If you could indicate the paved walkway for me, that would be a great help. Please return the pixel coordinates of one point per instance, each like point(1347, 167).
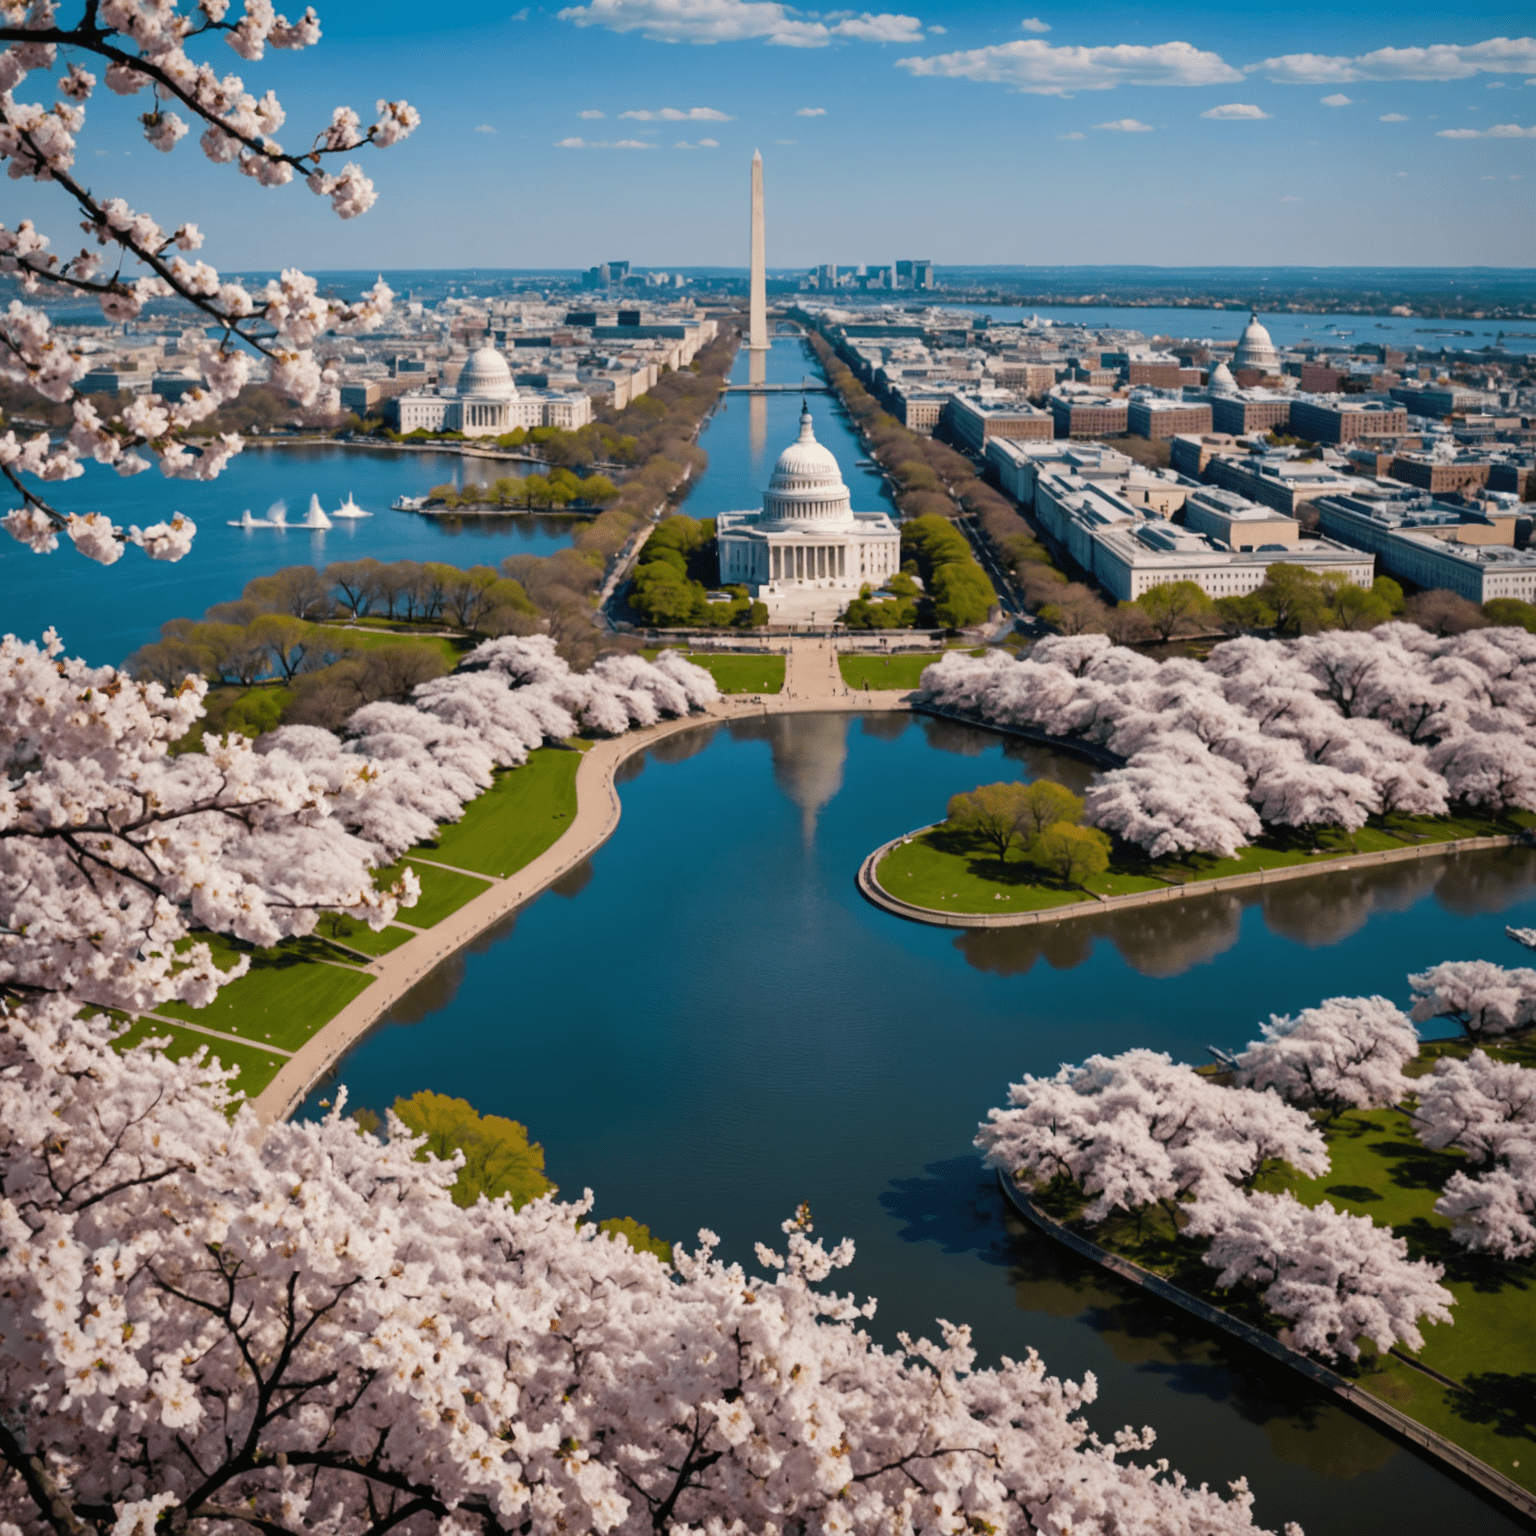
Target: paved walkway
point(812, 684)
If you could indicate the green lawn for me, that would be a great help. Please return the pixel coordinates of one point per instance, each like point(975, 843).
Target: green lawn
point(738, 674)
point(1380, 1170)
point(257, 1067)
point(955, 873)
point(884, 671)
point(442, 890)
point(348, 933)
point(514, 821)
point(286, 996)
point(371, 639)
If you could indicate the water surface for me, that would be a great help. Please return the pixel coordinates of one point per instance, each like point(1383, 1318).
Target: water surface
point(707, 1025)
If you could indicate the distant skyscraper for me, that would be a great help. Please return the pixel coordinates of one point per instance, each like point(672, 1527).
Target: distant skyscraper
point(757, 313)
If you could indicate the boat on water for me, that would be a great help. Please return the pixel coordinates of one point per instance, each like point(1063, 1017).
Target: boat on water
point(315, 517)
point(408, 504)
point(1525, 936)
point(277, 517)
point(349, 509)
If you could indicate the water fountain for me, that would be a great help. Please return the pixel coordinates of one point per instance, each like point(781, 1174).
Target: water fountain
point(349, 509)
point(315, 517)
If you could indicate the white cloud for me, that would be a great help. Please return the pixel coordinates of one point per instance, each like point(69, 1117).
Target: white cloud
point(1338, 99)
point(1403, 174)
point(1039, 69)
point(673, 115)
point(596, 144)
point(1440, 61)
point(485, 128)
point(1070, 135)
point(735, 21)
point(1498, 131)
point(1034, 24)
point(786, 141)
point(709, 143)
point(1236, 111)
point(880, 29)
point(938, 31)
point(811, 112)
point(1125, 125)
point(591, 114)
point(521, 15)
point(1290, 199)
point(1496, 85)
point(1393, 117)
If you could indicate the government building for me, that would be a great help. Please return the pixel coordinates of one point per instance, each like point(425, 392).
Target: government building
point(807, 553)
point(486, 403)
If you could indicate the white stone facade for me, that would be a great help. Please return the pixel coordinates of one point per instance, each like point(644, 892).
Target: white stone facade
point(807, 553)
point(486, 403)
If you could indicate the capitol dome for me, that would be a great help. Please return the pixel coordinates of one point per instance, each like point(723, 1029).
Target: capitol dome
point(486, 376)
point(807, 485)
point(1255, 349)
point(1220, 381)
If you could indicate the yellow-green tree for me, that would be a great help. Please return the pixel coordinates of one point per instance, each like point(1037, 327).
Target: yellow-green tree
point(1046, 803)
point(991, 812)
point(1073, 853)
point(498, 1157)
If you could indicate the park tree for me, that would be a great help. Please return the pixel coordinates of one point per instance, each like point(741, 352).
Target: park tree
point(994, 814)
point(496, 1157)
point(1044, 803)
point(130, 260)
point(1346, 1053)
point(301, 1329)
point(1444, 613)
point(1073, 854)
point(1138, 1129)
point(1482, 999)
point(1335, 1278)
point(1482, 1106)
point(1175, 607)
point(1073, 609)
point(357, 581)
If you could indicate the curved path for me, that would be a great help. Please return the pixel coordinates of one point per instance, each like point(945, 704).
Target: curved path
point(812, 683)
point(870, 887)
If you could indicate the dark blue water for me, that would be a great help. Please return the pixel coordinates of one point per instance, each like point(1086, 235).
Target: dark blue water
point(748, 432)
point(706, 1024)
point(103, 613)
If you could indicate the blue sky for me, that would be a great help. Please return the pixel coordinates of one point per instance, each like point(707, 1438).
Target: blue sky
point(968, 133)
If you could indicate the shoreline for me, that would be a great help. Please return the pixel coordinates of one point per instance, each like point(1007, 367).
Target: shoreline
point(875, 893)
point(1452, 1457)
point(598, 809)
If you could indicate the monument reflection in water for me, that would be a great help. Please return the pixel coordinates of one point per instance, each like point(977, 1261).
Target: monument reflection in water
point(707, 1024)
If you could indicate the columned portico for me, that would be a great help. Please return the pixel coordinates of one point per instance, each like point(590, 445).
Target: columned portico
point(807, 553)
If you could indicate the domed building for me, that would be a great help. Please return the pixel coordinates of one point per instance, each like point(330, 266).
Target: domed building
point(807, 553)
point(1220, 381)
point(1255, 349)
point(486, 402)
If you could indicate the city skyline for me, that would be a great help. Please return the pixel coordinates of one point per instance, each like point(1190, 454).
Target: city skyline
point(1172, 137)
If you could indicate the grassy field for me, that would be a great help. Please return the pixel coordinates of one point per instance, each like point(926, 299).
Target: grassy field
point(443, 891)
point(257, 1067)
point(286, 996)
point(347, 933)
point(1380, 1170)
point(738, 674)
point(515, 820)
point(371, 639)
point(884, 671)
point(953, 872)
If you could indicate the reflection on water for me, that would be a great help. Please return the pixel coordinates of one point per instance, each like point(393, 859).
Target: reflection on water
point(809, 752)
point(1169, 938)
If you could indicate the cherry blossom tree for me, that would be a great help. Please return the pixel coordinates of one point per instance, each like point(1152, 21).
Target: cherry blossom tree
point(1482, 998)
point(1346, 1053)
point(1325, 730)
point(211, 1330)
point(1496, 1211)
point(129, 260)
point(1137, 1129)
point(1334, 1277)
point(112, 849)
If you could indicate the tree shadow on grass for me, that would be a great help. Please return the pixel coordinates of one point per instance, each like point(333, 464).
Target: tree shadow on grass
point(1506, 1403)
point(1415, 1166)
point(1484, 1272)
point(982, 863)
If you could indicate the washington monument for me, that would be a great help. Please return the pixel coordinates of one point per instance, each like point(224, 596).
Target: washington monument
point(757, 318)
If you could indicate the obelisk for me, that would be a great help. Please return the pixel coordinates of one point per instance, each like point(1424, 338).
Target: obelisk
point(757, 315)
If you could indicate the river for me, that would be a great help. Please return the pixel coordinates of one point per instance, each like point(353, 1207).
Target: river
point(706, 1024)
point(1288, 330)
point(103, 613)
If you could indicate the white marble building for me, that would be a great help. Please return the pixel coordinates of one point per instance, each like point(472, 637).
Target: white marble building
point(807, 553)
point(1255, 349)
point(486, 403)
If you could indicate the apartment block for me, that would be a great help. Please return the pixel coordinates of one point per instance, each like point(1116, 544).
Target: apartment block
point(975, 420)
point(1338, 420)
point(1158, 419)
